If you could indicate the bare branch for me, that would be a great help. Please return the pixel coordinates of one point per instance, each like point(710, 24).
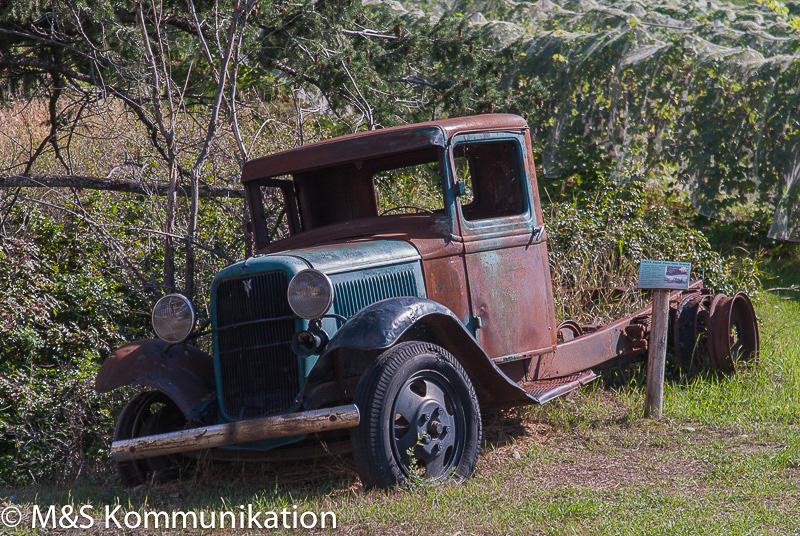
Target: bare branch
point(369, 33)
point(288, 70)
point(211, 131)
point(203, 43)
point(109, 184)
point(170, 19)
point(234, 113)
point(366, 108)
point(413, 80)
point(39, 64)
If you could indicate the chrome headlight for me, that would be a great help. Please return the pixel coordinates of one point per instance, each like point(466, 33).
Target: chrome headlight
point(173, 318)
point(310, 294)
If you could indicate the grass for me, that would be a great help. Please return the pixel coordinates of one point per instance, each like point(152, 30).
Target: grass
point(724, 460)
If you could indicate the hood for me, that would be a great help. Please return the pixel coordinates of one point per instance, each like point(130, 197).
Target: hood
point(356, 255)
point(331, 259)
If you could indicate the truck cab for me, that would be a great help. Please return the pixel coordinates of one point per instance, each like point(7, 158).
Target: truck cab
point(475, 242)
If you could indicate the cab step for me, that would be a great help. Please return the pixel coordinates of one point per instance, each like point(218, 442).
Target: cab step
point(543, 391)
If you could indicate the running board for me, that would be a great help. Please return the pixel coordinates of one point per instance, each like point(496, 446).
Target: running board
point(543, 391)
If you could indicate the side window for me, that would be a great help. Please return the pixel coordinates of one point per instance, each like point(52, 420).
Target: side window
point(491, 179)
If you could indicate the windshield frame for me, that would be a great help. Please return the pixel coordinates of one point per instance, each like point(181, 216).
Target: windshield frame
point(298, 190)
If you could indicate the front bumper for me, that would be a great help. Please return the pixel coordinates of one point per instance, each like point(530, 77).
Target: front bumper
point(206, 437)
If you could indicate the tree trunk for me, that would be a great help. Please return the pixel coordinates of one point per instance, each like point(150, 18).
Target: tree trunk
point(190, 232)
point(169, 229)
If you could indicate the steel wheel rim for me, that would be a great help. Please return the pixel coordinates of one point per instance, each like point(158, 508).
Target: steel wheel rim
point(428, 421)
point(703, 343)
point(128, 427)
point(735, 332)
point(145, 415)
point(167, 418)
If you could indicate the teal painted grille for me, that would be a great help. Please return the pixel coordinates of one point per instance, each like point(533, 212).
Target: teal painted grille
point(258, 370)
point(352, 296)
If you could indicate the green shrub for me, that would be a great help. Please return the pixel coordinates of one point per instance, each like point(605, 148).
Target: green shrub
point(597, 239)
point(60, 314)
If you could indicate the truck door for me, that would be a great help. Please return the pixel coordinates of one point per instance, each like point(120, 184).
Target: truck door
point(505, 254)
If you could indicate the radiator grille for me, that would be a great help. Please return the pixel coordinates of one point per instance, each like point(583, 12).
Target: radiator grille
point(352, 296)
point(259, 374)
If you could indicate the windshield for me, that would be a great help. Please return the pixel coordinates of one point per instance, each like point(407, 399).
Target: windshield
point(409, 183)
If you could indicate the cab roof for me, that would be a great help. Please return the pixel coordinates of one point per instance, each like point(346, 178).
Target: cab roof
point(375, 144)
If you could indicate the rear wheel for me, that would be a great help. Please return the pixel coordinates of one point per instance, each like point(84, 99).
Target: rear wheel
point(150, 413)
point(420, 418)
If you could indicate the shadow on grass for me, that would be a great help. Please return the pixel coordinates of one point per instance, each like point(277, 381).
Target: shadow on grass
point(782, 275)
point(214, 485)
point(506, 427)
point(209, 485)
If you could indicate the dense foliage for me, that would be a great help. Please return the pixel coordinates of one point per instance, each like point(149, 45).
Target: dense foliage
point(703, 93)
point(61, 310)
point(598, 237)
point(393, 70)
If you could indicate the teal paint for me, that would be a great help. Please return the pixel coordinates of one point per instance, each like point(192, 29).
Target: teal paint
point(362, 273)
point(354, 256)
point(356, 290)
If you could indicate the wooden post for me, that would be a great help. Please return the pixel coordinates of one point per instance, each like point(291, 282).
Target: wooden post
point(657, 355)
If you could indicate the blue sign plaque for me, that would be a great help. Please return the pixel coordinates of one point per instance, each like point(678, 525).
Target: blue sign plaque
point(664, 274)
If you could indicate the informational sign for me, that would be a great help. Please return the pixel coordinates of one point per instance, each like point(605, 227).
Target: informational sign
point(664, 274)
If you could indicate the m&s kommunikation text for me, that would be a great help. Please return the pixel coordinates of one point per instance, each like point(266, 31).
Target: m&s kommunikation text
point(243, 517)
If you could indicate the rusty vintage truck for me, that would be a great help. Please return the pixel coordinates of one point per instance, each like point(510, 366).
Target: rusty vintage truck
point(411, 290)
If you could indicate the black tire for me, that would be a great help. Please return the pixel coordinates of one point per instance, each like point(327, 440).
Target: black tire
point(147, 414)
point(420, 418)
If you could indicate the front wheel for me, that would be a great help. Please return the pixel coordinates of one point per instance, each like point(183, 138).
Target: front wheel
point(150, 413)
point(420, 418)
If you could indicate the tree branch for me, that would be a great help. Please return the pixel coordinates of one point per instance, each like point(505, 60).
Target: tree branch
point(108, 184)
point(176, 21)
point(40, 64)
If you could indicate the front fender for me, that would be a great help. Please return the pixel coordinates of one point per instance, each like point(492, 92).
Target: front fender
point(383, 324)
point(182, 372)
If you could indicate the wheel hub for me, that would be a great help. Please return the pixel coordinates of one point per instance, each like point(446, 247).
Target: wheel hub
point(425, 426)
point(435, 430)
